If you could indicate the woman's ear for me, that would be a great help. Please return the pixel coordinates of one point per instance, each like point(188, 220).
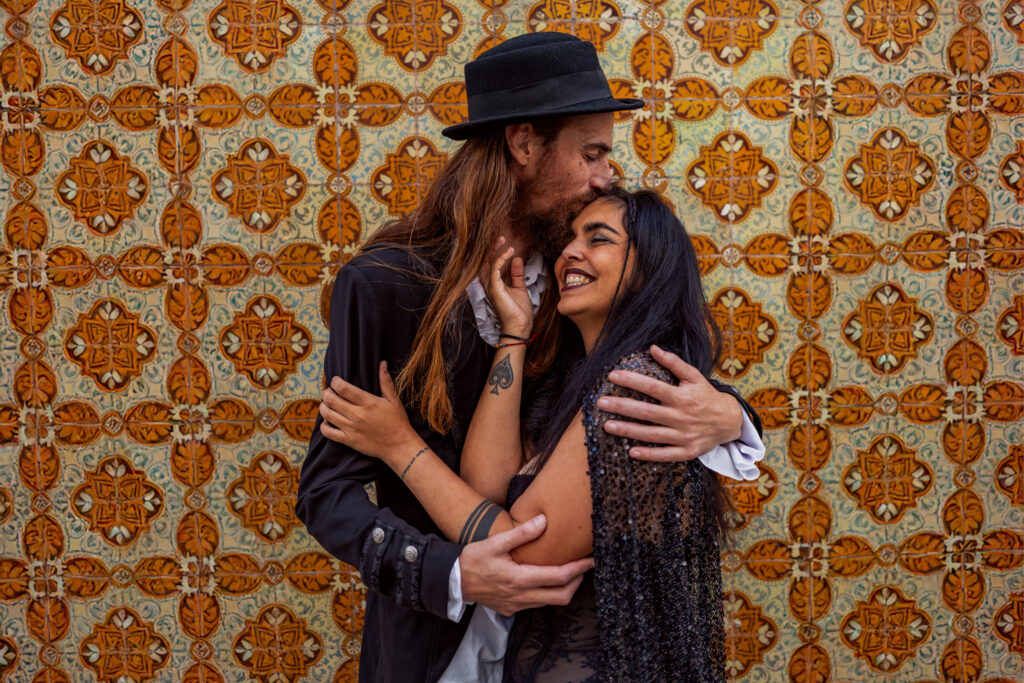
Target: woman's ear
point(520, 138)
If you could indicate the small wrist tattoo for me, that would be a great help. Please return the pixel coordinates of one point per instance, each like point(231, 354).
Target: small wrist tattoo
point(418, 454)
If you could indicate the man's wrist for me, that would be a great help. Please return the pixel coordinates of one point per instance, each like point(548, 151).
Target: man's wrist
point(733, 409)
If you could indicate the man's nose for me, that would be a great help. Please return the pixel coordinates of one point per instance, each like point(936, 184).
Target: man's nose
point(601, 178)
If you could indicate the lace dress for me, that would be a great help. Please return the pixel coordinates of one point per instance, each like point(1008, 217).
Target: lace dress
point(651, 610)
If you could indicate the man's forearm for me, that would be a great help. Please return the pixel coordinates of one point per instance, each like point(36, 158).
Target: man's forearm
point(333, 504)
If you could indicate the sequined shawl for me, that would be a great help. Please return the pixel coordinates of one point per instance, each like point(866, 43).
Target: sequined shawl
point(658, 573)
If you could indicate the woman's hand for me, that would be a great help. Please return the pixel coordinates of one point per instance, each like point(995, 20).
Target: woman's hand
point(373, 425)
point(510, 299)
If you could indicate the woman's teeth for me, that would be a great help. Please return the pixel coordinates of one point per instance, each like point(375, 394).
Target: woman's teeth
point(575, 279)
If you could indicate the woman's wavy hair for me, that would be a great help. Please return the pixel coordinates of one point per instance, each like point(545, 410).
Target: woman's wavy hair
point(452, 235)
point(660, 302)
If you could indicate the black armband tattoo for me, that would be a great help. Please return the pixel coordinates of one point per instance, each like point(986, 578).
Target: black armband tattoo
point(479, 524)
point(502, 375)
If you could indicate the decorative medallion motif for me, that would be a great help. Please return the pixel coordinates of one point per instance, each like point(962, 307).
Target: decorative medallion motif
point(110, 345)
point(750, 332)
point(1013, 17)
point(117, 500)
point(102, 188)
point(748, 634)
point(731, 177)
point(415, 32)
point(890, 174)
point(595, 21)
point(407, 173)
point(731, 29)
point(886, 629)
point(8, 657)
point(265, 342)
point(96, 33)
point(887, 328)
point(1011, 172)
point(259, 186)
point(124, 648)
point(276, 646)
point(1011, 326)
point(264, 497)
point(890, 28)
point(1008, 624)
point(1010, 475)
point(254, 33)
point(887, 479)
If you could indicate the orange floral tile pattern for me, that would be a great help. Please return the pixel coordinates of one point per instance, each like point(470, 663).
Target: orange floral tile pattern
point(180, 184)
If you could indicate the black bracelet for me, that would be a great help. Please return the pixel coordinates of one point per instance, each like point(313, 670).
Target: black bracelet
point(512, 336)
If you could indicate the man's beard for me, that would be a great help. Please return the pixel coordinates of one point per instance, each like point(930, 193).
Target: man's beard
point(550, 230)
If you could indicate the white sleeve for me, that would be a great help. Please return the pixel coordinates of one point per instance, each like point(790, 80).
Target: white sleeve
point(737, 459)
point(456, 605)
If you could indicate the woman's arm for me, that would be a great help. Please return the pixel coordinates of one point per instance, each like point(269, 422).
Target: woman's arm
point(561, 491)
point(373, 425)
point(493, 451)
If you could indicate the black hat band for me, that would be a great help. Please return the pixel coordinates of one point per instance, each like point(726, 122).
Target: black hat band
point(567, 90)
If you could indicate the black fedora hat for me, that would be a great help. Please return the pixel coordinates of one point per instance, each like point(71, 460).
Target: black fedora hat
point(533, 76)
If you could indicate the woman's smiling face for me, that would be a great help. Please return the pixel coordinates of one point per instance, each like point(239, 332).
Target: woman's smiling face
point(591, 265)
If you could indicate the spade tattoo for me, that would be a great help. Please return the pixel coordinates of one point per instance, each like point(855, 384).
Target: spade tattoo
point(501, 376)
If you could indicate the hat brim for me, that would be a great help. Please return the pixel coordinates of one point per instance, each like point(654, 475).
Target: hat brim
point(464, 131)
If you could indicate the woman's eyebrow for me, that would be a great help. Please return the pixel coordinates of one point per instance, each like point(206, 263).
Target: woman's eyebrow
point(598, 225)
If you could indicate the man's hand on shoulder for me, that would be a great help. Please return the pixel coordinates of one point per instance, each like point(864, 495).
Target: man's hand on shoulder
point(490, 576)
point(689, 419)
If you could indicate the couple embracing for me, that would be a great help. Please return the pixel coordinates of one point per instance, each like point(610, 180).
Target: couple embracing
point(520, 366)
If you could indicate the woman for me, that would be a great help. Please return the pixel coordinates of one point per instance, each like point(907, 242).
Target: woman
point(627, 280)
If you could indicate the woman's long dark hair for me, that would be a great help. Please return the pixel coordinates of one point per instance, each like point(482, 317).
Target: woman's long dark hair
point(660, 302)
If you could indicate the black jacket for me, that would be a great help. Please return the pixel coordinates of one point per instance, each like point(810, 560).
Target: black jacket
point(376, 308)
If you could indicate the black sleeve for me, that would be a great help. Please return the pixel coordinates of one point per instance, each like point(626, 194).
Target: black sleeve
point(751, 413)
point(657, 573)
point(394, 558)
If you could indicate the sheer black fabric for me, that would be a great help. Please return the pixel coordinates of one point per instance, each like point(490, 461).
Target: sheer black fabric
point(656, 590)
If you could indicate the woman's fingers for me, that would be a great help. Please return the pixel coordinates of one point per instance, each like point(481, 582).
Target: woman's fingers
point(499, 264)
point(350, 392)
point(332, 432)
point(517, 273)
point(387, 387)
point(337, 415)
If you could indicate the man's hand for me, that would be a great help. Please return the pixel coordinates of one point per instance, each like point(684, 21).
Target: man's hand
point(490, 576)
point(693, 417)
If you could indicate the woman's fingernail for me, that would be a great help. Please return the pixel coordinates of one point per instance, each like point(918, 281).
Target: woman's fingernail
point(611, 426)
point(613, 375)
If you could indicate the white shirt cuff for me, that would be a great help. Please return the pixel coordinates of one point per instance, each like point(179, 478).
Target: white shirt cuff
point(456, 605)
point(737, 459)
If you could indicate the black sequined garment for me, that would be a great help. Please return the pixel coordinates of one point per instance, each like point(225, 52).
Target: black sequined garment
point(657, 585)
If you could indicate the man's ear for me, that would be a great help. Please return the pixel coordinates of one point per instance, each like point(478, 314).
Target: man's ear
point(521, 141)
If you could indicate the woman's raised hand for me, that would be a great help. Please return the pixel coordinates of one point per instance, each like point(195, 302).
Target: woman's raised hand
point(508, 295)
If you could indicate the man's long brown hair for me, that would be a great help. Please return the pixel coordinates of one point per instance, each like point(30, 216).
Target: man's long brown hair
point(461, 216)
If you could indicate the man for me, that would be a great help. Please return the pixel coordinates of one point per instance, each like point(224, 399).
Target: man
point(536, 151)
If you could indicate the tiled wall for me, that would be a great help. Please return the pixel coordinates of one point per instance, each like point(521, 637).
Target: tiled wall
point(181, 180)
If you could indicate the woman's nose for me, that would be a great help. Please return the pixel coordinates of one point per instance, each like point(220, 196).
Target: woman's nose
point(571, 252)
